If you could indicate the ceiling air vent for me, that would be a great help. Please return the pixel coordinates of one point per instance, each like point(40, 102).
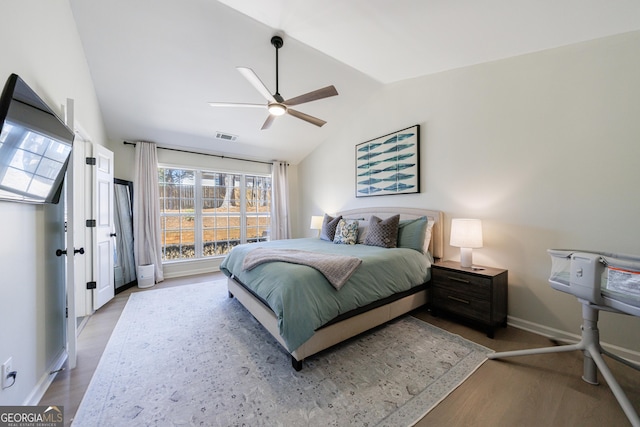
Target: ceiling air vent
point(226, 136)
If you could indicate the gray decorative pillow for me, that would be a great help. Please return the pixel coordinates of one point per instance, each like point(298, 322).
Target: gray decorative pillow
point(346, 232)
point(329, 225)
point(363, 226)
point(383, 233)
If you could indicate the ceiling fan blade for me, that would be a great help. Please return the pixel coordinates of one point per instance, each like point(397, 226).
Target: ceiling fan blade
point(307, 118)
point(268, 122)
point(256, 82)
point(325, 92)
point(236, 104)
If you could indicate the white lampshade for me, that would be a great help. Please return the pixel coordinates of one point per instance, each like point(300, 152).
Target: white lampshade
point(316, 223)
point(466, 234)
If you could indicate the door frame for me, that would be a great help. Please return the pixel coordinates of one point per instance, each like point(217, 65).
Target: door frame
point(79, 207)
point(74, 209)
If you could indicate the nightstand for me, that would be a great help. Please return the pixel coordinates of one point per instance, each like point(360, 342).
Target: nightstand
point(478, 294)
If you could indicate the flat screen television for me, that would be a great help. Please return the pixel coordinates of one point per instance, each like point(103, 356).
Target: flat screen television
point(35, 146)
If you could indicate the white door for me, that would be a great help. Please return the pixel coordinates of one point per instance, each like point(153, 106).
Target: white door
point(53, 239)
point(103, 232)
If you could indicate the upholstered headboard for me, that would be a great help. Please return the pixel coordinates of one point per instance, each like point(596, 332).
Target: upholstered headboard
point(436, 247)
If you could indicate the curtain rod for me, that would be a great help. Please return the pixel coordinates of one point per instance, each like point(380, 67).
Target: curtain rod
point(206, 154)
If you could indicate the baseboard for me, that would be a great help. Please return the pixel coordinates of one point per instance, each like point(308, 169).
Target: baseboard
point(46, 379)
point(82, 324)
point(570, 338)
point(182, 269)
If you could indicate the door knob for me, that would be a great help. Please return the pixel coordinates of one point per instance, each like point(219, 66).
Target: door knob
point(61, 252)
point(112, 235)
point(78, 251)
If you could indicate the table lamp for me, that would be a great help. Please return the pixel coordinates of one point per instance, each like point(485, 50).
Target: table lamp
point(466, 234)
point(316, 223)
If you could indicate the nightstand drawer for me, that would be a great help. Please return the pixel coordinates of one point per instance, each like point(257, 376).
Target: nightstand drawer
point(462, 303)
point(466, 284)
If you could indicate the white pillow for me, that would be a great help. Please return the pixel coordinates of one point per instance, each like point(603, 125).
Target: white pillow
point(427, 236)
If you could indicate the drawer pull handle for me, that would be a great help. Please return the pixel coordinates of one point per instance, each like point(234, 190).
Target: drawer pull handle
point(464, 301)
point(455, 279)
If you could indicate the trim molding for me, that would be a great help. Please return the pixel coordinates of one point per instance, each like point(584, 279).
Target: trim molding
point(190, 268)
point(46, 379)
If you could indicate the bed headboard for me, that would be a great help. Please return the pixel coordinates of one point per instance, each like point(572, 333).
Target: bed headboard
point(436, 246)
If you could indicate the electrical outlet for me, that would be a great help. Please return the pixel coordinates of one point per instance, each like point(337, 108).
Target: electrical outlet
point(7, 367)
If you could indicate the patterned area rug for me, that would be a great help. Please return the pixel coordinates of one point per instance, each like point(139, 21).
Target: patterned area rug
point(191, 356)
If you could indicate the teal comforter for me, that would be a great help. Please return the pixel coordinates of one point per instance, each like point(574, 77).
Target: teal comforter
point(303, 300)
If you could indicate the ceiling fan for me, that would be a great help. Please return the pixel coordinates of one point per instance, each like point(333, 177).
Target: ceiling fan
point(277, 105)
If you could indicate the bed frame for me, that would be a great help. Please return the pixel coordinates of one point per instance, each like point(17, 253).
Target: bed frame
point(337, 332)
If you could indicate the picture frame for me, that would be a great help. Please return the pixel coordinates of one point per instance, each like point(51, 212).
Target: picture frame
point(389, 164)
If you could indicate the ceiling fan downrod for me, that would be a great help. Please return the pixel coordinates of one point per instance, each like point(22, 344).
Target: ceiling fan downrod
point(277, 42)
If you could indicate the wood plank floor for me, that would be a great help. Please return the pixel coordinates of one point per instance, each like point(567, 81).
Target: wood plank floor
point(541, 390)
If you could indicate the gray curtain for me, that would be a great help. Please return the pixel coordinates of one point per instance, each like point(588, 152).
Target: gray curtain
point(124, 232)
point(146, 209)
point(280, 224)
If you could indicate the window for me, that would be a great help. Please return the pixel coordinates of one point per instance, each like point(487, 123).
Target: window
point(205, 213)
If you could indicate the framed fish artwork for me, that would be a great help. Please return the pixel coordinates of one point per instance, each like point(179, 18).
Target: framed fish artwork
point(389, 164)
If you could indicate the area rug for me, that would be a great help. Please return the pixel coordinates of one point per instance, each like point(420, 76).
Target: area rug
point(192, 356)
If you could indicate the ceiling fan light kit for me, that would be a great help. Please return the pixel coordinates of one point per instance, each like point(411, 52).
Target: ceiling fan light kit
point(276, 104)
point(277, 109)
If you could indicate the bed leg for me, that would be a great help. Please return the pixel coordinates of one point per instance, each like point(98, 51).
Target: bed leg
point(297, 364)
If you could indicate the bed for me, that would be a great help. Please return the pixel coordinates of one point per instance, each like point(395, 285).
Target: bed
point(282, 302)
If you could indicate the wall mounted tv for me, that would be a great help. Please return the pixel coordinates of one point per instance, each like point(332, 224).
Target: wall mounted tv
point(35, 146)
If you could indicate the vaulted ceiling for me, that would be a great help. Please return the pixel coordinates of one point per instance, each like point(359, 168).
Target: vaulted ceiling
point(156, 64)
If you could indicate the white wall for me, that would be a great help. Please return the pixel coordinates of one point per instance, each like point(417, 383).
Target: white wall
point(543, 148)
point(40, 44)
